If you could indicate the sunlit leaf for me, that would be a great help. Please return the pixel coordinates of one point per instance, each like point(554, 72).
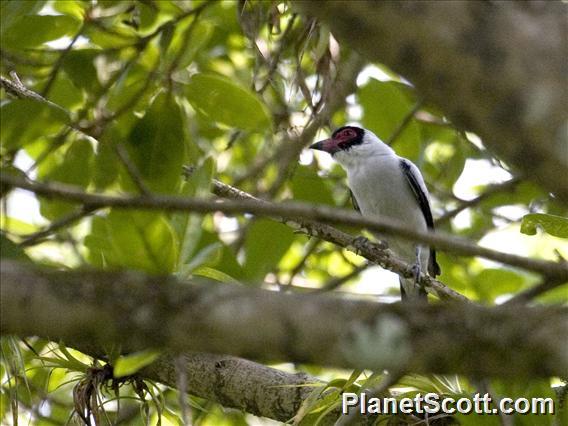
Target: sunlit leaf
point(556, 226)
point(267, 241)
point(80, 68)
point(214, 274)
point(141, 241)
point(106, 165)
point(224, 101)
point(129, 364)
point(33, 30)
point(74, 8)
point(17, 129)
point(12, 11)
point(308, 186)
point(189, 226)
point(74, 168)
point(491, 283)
point(385, 106)
point(157, 145)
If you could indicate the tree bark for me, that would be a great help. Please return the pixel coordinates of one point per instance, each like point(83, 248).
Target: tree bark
point(496, 68)
point(137, 311)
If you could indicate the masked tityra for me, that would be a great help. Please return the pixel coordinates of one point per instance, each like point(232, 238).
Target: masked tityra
point(385, 185)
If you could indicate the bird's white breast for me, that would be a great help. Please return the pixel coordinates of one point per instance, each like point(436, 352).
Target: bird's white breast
point(381, 190)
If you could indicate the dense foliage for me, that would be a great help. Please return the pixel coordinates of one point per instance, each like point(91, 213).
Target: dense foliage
point(140, 89)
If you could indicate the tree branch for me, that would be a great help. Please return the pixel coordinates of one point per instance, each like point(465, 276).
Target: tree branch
point(137, 311)
point(293, 212)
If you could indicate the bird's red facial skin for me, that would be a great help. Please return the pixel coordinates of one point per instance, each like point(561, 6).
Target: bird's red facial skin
point(345, 136)
point(337, 142)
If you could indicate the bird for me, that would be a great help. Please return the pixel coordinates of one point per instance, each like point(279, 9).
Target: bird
point(384, 185)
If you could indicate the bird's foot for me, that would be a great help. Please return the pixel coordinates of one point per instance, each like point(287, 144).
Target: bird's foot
point(416, 273)
point(360, 243)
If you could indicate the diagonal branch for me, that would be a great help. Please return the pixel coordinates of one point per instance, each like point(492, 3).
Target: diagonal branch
point(301, 214)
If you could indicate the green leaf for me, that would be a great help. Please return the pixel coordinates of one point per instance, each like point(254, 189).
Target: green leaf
point(267, 241)
point(308, 186)
point(18, 129)
point(225, 102)
point(189, 226)
point(128, 87)
point(74, 8)
point(208, 250)
point(129, 364)
point(12, 10)
point(491, 283)
point(157, 145)
point(79, 65)
point(385, 106)
point(106, 165)
point(64, 93)
point(10, 250)
point(200, 35)
point(33, 30)
point(74, 168)
point(556, 226)
point(214, 274)
point(134, 240)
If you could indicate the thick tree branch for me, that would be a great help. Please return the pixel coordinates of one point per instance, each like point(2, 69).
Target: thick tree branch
point(230, 381)
point(297, 213)
point(488, 65)
point(137, 311)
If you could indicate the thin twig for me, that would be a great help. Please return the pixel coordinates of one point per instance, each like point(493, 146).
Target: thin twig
point(275, 59)
point(529, 294)
point(40, 236)
point(130, 167)
point(339, 281)
point(344, 84)
point(405, 122)
point(491, 190)
point(59, 62)
point(308, 251)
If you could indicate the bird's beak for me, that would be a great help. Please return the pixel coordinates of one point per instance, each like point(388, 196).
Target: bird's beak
point(327, 145)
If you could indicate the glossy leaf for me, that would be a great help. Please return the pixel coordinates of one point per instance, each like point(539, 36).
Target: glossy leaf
point(224, 101)
point(556, 226)
point(73, 168)
point(79, 66)
point(17, 129)
point(308, 186)
point(33, 30)
point(385, 106)
point(141, 241)
point(267, 241)
point(214, 274)
point(189, 226)
point(157, 145)
point(13, 10)
point(129, 364)
point(106, 165)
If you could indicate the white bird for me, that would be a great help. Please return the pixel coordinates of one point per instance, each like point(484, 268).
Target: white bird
point(385, 185)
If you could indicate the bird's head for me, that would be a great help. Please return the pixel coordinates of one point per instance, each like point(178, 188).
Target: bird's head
point(350, 144)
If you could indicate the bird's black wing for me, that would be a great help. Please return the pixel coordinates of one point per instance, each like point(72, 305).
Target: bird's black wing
point(354, 202)
point(411, 179)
